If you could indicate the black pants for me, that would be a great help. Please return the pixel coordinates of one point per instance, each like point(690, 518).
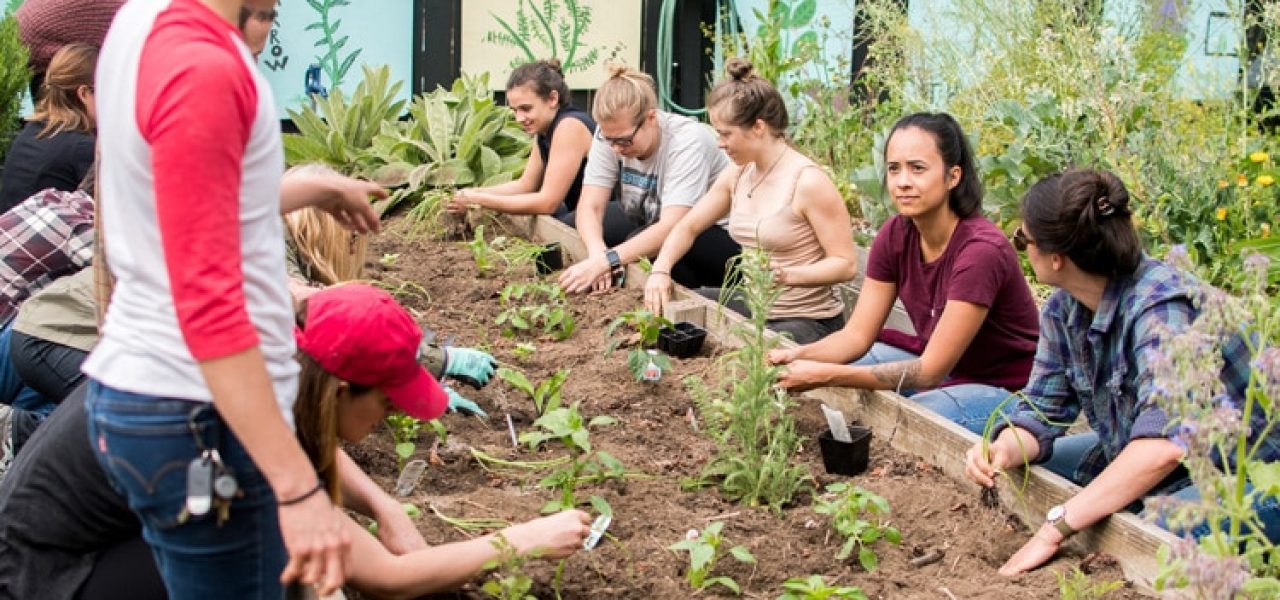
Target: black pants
point(47, 367)
point(802, 330)
point(704, 265)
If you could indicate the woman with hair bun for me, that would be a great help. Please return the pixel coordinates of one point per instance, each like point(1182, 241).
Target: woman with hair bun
point(552, 179)
point(1112, 306)
point(55, 147)
point(956, 275)
point(660, 164)
point(775, 198)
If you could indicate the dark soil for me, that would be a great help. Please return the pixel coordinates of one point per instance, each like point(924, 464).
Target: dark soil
point(655, 437)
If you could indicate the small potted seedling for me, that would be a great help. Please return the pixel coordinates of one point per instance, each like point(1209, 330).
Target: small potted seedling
point(644, 360)
point(682, 340)
point(845, 448)
point(549, 259)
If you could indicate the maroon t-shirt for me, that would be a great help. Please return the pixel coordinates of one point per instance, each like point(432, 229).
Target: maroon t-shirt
point(978, 266)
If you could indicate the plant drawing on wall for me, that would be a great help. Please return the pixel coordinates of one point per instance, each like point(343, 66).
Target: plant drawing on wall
point(553, 30)
point(331, 42)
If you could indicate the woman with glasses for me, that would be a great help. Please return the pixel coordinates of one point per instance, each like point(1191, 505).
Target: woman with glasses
point(1111, 308)
point(958, 278)
point(661, 164)
point(775, 198)
point(552, 179)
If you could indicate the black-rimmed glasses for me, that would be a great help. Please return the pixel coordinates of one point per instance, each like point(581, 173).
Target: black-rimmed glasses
point(622, 142)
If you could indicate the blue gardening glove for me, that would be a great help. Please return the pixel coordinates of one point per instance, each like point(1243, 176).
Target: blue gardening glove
point(472, 367)
point(462, 405)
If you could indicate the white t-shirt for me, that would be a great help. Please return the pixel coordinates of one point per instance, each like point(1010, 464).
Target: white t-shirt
point(678, 173)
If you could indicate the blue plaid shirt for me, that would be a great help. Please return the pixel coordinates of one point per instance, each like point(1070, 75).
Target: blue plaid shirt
point(1098, 362)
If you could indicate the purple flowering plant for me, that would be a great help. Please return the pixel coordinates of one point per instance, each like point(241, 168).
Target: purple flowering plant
point(1213, 427)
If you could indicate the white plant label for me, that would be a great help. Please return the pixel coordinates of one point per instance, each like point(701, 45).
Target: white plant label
point(410, 476)
point(835, 420)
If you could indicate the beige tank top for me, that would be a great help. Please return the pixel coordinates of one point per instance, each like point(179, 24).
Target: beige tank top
point(770, 223)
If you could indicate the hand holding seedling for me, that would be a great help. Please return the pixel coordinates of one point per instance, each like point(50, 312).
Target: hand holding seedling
point(472, 367)
point(985, 460)
point(554, 536)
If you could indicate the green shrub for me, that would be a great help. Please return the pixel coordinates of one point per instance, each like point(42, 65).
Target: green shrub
point(14, 79)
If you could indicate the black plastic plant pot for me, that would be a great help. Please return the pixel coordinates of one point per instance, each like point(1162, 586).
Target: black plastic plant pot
point(683, 340)
point(846, 458)
point(550, 260)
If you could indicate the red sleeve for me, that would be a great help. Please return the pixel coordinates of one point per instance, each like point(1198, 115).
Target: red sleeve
point(978, 274)
point(884, 261)
point(197, 116)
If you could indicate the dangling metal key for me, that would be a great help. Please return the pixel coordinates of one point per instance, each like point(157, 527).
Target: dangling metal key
point(200, 484)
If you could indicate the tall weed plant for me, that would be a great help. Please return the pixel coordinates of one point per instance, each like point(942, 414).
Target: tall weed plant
point(750, 417)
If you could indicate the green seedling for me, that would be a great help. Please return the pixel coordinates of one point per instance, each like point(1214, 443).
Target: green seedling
point(566, 425)
point(545, 395)
point(509, 581)
point(856, 514)
point(404, 434)
point(410, 509)
point(535, 307)
point(482, 252)
point(524, 351)
point(647, 326)
point(470, 525)
point(705, 550)
point(389, 259)
point(1078, 586)
point(814, 587)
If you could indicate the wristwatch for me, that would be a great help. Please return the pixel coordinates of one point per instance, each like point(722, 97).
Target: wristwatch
point(1057, 517)
point(615, 261)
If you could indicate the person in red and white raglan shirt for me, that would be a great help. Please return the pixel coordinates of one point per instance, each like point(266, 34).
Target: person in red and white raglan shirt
point(194, 373)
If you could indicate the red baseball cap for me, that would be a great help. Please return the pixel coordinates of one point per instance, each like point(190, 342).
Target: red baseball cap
point(361, 335)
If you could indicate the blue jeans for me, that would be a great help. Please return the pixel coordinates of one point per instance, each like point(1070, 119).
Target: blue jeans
point(13, 390)
point(1069, 450)
point(968, 404)
point(144, 444)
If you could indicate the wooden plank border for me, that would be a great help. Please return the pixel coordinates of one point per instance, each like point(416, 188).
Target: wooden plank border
point(1027, 493)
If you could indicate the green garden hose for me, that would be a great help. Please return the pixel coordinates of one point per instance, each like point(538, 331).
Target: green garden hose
point(666, 23)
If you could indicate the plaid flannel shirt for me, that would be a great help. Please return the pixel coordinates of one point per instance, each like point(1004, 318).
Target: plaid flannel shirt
point(1097, 362)
point(45, 237)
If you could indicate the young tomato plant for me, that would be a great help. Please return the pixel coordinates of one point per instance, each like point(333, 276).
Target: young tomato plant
point(509, 580)
point(704, 552)
point(566, 425)
point(814, 587)
point(647, 326)
point(535, 307)
point(545, 395)
point(855, 513)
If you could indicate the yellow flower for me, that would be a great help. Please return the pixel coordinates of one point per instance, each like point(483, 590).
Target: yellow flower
point(1222, 184)
point(1242, 181)
point(1264, 180)
point(1266, 230)
point(1259, 157)
point(1222, 214)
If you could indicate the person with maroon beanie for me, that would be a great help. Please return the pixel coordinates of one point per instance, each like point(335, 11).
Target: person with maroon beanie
point(976, 323)
point(45, 26)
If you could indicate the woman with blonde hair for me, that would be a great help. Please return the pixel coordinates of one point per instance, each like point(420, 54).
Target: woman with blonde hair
point(662, 164)
point(55, 147)
point(775, 198)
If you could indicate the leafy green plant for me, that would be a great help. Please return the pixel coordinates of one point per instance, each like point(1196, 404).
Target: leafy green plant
point(509, 581)
point(338, 132)
point(455, 137)
point(705, 551)
point(536, 28)
point(647, 326)
point(482, 252)
point(1078, 586)
point(334, 65)
point(535, 307)
point(748, 416)
point(567, 425)
point(524, 351)
point(545, 395)
point(814, 587)
point(404, 434)
point(14, 78)
point(857, 515)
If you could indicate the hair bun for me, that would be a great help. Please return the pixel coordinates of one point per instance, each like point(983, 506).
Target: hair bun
point(553, 63)
point(618, 70)
point(740, 69)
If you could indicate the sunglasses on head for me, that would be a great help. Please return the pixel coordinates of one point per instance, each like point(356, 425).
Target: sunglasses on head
point(1020, 239)
point(622, 142)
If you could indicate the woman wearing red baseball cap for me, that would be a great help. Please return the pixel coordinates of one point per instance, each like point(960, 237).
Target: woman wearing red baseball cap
point(358, 350)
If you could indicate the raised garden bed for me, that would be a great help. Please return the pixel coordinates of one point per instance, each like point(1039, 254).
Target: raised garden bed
point(656, 439)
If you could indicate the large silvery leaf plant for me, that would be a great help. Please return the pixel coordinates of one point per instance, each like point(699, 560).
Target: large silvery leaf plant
point(339, 132)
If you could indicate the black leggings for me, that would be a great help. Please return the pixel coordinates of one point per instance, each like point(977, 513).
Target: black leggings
point(704, 265)
point(125, 571)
